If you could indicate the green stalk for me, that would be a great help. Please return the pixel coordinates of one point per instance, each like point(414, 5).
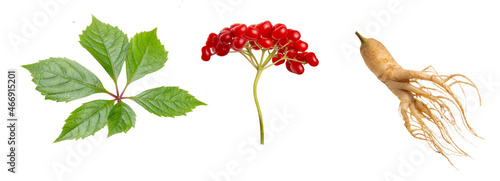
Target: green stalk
point(257, 77)
point(260, 66)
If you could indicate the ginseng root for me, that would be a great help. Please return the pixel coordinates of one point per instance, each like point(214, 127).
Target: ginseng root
point(428, 105)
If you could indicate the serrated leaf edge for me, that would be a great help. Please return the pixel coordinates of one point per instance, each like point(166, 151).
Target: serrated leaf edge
point(196, 102)
point(60, 136)
point(109, 115)
point(115, 77)
point(79, 82)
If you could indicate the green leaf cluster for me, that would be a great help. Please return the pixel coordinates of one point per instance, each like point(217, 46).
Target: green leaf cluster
point(62, 79)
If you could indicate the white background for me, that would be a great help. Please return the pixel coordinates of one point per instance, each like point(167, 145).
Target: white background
point(344, 123)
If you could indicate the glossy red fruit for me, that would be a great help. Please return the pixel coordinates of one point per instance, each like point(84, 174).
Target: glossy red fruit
point(225, 38)
point(221, 49)
point(311, 59)
point(288, 66)
point(279, 25)
point(284, 42)
point(238, 43)
point(278, 57)
point(239, 30)
point(205, 53)
point(293, 35)
point(268, 36)
point(297, 67)
point(301, 46)
point(300, 56)
point(212, 40)
point(282, 51)
point(253, 45)
point(252, 33)
point(225, 30)
point(274, 43)
point(265, 43)
point(291, 54)
point(234, 25)
point(265, 28)
point(279, 32)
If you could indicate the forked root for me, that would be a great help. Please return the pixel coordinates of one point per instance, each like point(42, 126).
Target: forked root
point(427, 105)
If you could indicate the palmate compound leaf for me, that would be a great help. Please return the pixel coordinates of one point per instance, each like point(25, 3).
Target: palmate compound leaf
point(108, 45)
point(167, 101)
point(121, 118)
point(62, 79)
point(145, 55)
point(86, 120)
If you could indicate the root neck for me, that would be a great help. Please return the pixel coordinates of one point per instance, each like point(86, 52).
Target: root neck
point(361, 38)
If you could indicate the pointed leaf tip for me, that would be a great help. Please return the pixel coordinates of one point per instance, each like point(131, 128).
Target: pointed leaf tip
point(62, 79)
point(107, 44)
point(86, 120)
point(145, 55)
point(167, 101)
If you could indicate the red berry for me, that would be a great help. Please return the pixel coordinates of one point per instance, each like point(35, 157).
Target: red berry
point(239, 30)
point(225, 38)
point(293, 35)
point(265, 28)
point(234, 25)
point(300, 45)
point(291, 54)
point(297, 67)
point(282, 51)
point(221, 49)
point(212, 40)
point(252, 33)
point(252, 26)
point(205, 53)
point(225, 30)
point(253, 45)
point(300, 56)
point(311, 59)
point(267, 36)
point(284, 42)
point(279, 32)
point(238, 43)
point(265, 43)
point(274, 43)
point(279, 25)
point(288, 64)
point(278, 57)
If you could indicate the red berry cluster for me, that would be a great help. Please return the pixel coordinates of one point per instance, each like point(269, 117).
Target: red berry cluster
point(285, 42)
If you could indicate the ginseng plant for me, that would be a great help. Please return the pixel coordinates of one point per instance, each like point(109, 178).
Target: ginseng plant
point(429, 106)
point(62, 79)
point(282, 46)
